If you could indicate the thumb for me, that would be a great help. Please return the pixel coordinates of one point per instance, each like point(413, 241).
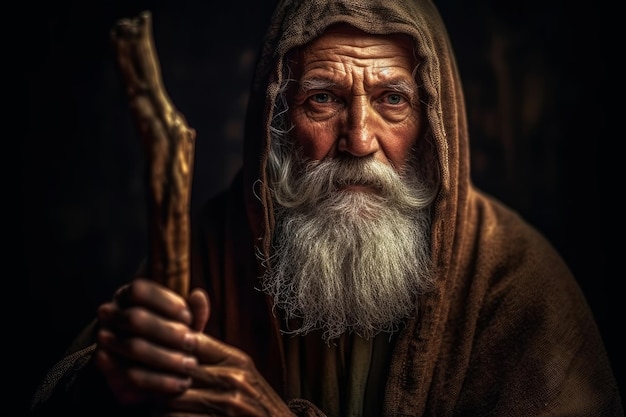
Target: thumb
point(200, 308)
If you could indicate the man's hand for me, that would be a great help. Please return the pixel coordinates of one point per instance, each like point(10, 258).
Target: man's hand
point(151, 348)
point(145, 339)
point(226, 382)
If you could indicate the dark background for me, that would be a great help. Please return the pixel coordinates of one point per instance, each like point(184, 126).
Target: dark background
point(536, 79)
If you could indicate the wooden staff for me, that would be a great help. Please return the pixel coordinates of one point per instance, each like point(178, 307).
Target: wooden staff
point(169, 144)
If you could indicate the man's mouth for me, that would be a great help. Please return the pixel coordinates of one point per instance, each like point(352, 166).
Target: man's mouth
point(364, 188)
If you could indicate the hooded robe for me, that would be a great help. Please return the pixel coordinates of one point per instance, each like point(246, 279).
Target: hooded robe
point(506, 330)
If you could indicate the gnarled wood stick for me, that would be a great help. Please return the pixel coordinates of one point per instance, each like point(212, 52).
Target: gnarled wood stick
point(169, 145)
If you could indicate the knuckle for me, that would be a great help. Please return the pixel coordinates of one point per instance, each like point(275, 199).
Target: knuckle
point(137, 347)
point(136, 290)
point(137, 318)
point(236, 381)
point(244, 360)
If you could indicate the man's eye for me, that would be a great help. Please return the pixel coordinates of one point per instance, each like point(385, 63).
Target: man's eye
point(394, 98)
point(321, 98)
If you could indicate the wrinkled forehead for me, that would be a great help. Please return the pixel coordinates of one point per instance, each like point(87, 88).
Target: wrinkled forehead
point(345, 34)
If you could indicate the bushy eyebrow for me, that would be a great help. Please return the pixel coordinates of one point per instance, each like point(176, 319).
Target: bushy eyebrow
point(316, 84)
point(400, 85)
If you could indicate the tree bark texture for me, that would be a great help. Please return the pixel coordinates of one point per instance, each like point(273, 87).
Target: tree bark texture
point(169, 145)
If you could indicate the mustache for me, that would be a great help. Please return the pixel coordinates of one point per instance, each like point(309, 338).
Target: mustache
point(325, 178)
point(354, 171)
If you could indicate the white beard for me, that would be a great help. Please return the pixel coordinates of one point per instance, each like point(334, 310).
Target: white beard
point(349, 261)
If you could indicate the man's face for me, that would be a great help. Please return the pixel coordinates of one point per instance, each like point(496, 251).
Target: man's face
point(351, 244)
point(356, 97)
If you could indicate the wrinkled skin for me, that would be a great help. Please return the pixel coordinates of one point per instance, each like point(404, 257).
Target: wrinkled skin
point(151, 348)
point(357, 97)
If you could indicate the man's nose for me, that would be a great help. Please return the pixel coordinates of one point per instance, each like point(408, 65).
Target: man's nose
point(360, 133)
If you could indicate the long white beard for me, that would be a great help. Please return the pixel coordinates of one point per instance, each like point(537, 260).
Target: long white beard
point(349, 261)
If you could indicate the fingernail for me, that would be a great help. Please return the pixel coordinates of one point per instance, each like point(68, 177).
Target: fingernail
point(185, 316)
point(189, 342)
point(105, 337)
point(189, 363)
point(184, 385)
point(104, 313)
